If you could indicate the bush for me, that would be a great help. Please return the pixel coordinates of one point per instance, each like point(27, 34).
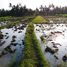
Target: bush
point(39, 19)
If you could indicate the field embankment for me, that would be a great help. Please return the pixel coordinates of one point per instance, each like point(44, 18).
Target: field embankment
point(33, 56)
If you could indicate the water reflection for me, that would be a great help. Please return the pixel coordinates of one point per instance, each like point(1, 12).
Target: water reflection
point(12, 44)
point(55, 45)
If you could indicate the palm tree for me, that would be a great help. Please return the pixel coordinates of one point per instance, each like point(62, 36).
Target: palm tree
point(10, 5)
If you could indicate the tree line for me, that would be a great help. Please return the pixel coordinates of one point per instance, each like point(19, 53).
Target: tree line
point(18, 10)
point(52, 10)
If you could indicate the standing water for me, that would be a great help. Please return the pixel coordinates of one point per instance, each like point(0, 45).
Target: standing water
point(11, 45)
point(54, 46)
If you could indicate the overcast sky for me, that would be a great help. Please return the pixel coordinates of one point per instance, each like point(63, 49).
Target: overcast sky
point(32, 3)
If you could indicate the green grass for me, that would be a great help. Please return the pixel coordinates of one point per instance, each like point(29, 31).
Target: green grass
point(11, 18)
point(32, 56)
point(2, 27)
point(10, 24)
point(61, 15)
point(5, 18)
point(12, 21)
point(39, 19)
point(64, 15)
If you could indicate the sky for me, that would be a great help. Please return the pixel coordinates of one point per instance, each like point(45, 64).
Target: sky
point(33, 4)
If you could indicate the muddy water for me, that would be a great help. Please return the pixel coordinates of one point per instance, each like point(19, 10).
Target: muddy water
point(11, 45)
point(55, 45)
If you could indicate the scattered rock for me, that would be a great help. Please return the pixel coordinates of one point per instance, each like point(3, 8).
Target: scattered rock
point(55, 46)
point(58, 32)
point(39, 26)
point(6, 33)
point(1, 36)
point(7, 37)
point(9, 49)
point(42, 38)
point(55, 56)
point(20, 32)
point(15, 30)
point(13, 40)
point(37, 30)
point(14, 44)
point(2, 43)
point(52, 33)
point(13, 36)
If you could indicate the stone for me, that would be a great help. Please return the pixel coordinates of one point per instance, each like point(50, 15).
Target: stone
point(51, 50)
point(65, 58)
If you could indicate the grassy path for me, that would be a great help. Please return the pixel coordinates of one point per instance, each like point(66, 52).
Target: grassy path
point(33, 56)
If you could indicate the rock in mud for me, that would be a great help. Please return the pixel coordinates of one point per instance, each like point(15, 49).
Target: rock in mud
point(1, 36)
point(14, 44)
point(37, 30)
point(20, 32)
point(13, 40)
point(10, 49)
point(56, 57)
point(6, 33)
point(51, 50)
point(7, 37)
point(58, 32)
point(42, 38)
point(55, 46)
point(2, 43)
point(65, 58)
point(13, 36)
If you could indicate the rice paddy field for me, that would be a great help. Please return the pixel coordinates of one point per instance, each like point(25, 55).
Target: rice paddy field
point(33, 42)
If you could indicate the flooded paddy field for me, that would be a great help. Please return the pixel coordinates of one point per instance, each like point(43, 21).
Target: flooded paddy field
point(57, 19)
point(53, 42)
point(11, 44)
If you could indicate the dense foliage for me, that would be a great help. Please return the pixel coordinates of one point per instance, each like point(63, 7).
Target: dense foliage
point(52, 10)
point(16, 10)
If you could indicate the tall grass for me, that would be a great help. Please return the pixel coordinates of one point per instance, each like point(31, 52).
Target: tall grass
point(39, 19)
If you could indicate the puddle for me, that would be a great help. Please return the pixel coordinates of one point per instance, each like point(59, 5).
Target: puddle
point(55, 45)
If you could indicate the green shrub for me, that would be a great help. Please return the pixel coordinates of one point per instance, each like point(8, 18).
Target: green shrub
point(39, 19)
